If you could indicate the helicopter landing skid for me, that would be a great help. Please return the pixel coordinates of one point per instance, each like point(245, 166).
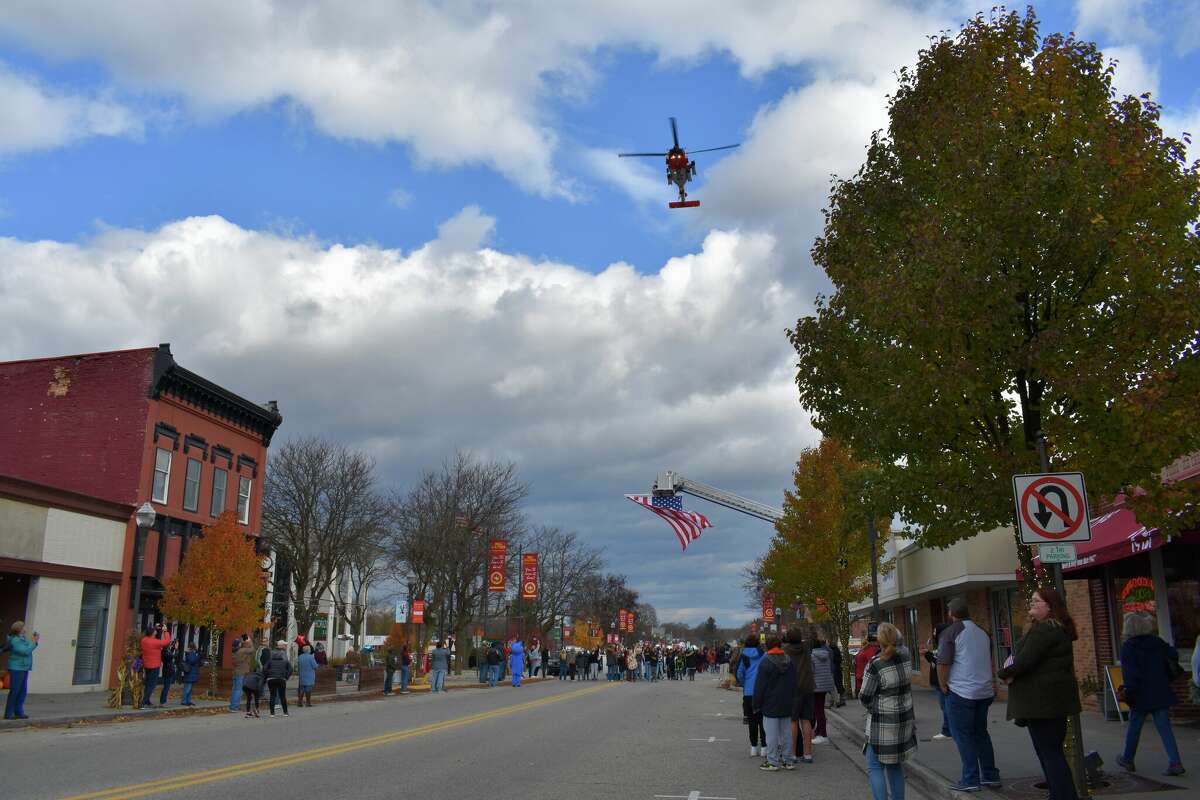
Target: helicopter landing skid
point(683, 204)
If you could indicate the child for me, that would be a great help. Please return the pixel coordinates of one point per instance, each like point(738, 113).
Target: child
point(252, 686)
point(774, 695)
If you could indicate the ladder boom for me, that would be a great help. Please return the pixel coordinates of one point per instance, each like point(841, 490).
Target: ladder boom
point(669, 483)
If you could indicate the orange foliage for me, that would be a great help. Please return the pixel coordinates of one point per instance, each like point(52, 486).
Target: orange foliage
point(221, 584)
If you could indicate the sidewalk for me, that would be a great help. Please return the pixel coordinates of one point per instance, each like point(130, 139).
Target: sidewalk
point(90, 707)
point(937, 764)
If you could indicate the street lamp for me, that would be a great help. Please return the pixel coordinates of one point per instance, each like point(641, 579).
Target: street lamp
point(144, 519)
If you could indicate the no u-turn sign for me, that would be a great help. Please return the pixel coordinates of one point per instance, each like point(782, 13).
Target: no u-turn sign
point(1052, 507)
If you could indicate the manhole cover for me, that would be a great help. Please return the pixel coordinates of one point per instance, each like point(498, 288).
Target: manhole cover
point(1113, 784)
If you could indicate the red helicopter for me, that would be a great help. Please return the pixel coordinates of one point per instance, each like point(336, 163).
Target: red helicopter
point(680, 169)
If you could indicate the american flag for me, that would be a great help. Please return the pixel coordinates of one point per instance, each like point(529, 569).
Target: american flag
point(686, 524)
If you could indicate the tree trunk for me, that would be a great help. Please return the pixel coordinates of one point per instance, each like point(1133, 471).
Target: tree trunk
point(214, 652)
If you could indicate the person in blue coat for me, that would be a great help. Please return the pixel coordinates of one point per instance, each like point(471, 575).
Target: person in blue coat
point(20, 664)
point(517, 655)
point(191, 673)
point(306, 667)
point(747, 669)
point(1147, 677)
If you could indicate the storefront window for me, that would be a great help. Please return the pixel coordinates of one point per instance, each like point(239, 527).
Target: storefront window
point(1003, 601)
point(1181, 565)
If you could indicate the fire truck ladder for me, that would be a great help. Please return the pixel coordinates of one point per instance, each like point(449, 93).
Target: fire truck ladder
point(670, 483)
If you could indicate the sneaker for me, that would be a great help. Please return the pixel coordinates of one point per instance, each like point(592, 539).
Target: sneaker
point(753, 750)
point(940, 737)
point(272, 713)
point(805, 759)
point(1174, 769)
point(789, 765)
point(962, 787)
point(767, 766)
point(1126, 764)
point(248, 715)
point(285, 713)
point(820, 740)
point(993, 784)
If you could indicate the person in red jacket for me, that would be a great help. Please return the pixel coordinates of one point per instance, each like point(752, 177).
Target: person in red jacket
point(152, 646)
point(869, 651)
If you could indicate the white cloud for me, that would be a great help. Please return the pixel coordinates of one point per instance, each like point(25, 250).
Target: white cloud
point(462, 82)
point(400, 198)
point(34, 117)
point(593, 383)
point(1116, 20)
point(1133, 74)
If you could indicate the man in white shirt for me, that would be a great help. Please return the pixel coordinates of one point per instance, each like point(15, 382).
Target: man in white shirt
point(964, 668)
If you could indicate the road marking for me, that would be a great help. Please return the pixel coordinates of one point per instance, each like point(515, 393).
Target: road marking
point(290, 759)
point(710, 740)
point(694, 794)
point(718, 714)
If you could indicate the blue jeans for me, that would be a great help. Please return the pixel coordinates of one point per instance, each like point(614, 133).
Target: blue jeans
point(404, 678)
point(437, 680)
point(235, 694)
point(187, 693)
point(493, 674)
point(388, 675)
point(18, 688)
point(1162, 721)
point(884, 777)
point(942, 705)
point(150, 676)
point(779, 740)
point(968, 726)
point(166, 689)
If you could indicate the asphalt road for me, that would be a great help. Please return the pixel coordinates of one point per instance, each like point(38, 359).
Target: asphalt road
point(558, 741)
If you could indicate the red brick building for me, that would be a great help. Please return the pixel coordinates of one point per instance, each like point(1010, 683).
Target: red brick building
point(130, 426)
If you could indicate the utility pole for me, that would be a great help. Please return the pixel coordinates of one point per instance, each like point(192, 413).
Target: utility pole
point(1074, 731)
point(873, 538)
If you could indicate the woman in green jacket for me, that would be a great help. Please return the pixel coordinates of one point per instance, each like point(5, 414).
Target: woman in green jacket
point(20, 662)
point(1042, 690)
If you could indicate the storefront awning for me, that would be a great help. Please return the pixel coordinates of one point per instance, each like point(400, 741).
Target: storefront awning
point(1116, 534)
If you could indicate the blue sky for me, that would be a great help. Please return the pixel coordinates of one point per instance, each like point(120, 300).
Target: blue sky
point(423, 201)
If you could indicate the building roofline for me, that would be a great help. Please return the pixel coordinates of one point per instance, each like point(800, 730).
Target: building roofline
point(79, 355)
point(47, 495)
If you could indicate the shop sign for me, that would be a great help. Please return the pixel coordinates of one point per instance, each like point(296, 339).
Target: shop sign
point(1138, 595)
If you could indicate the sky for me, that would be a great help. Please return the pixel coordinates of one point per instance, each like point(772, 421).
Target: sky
point(406, 222)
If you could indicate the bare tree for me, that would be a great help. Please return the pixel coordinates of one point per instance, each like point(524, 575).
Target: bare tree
point(603, 597)
point(319, 507)
point(363, 566)
point(440, 533)
point(565, 564)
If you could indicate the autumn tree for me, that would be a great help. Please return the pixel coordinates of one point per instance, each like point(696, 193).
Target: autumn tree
point(219, 586)
point(821, 553)
point(319, 510)
point(1017, 255)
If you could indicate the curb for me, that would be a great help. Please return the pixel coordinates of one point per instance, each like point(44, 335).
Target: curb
point(133, 715)
point(924, 779)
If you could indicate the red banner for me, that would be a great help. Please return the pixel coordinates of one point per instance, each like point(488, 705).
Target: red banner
point(567, 631)
point(418, 612)
point(497, 554)
point(768, 607)
point(622, 620)
point(529, 576)
point(630, 621)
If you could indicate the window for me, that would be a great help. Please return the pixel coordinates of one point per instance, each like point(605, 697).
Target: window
point(220, 478)
point(162, 475)
point(191, 486)
point(244, 500)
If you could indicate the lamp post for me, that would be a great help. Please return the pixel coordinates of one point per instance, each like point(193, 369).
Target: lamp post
point(144, 519)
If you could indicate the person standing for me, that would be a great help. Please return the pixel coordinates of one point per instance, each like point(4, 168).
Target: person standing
point(802, 708)
point(20, 664)
point(172, 668)
point(839, 688)
point(965, 674)
point(774, 696)
point(517, 662)
point(405, 667)
point(864, 656)
point(252, 686)
point(152, 645)
point(822, 667)
point(277, 671)
point(243, 657)
point(189, 673)
point(1145, 667)
point(439, 665)
point(886, 693)
point(1042, 691)
point(492, 664)
point(390, 664)
point(747, 670)
point(535, 659)
point(931, 657)
point(306, 667)
point(320, 655)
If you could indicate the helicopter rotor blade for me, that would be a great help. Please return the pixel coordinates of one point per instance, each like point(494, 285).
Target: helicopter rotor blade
point(631, 155)
point(674, 132)
point(710, 149)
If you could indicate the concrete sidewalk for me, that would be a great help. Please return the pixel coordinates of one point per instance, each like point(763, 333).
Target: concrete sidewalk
point(937, 763)
point(90, 707)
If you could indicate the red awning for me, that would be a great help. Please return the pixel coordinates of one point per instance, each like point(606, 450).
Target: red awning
point(1115, 534)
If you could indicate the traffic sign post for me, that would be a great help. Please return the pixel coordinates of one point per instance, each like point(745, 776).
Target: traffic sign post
point(1056, 553)
point(1052, 507)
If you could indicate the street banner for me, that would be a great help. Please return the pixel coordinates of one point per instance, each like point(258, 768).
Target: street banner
point(630, 621)
point(768, 602)
point(622, 620)
point(497, 555)
point(529, 576)
point(401, 611)
point(418, 612)
point(567, 632)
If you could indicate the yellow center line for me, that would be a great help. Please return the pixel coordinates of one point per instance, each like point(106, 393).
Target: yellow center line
point(290, 759)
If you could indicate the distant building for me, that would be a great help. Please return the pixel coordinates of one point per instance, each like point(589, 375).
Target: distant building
point(121, 428)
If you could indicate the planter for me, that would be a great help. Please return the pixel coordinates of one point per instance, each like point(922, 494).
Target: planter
point(370, 678)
